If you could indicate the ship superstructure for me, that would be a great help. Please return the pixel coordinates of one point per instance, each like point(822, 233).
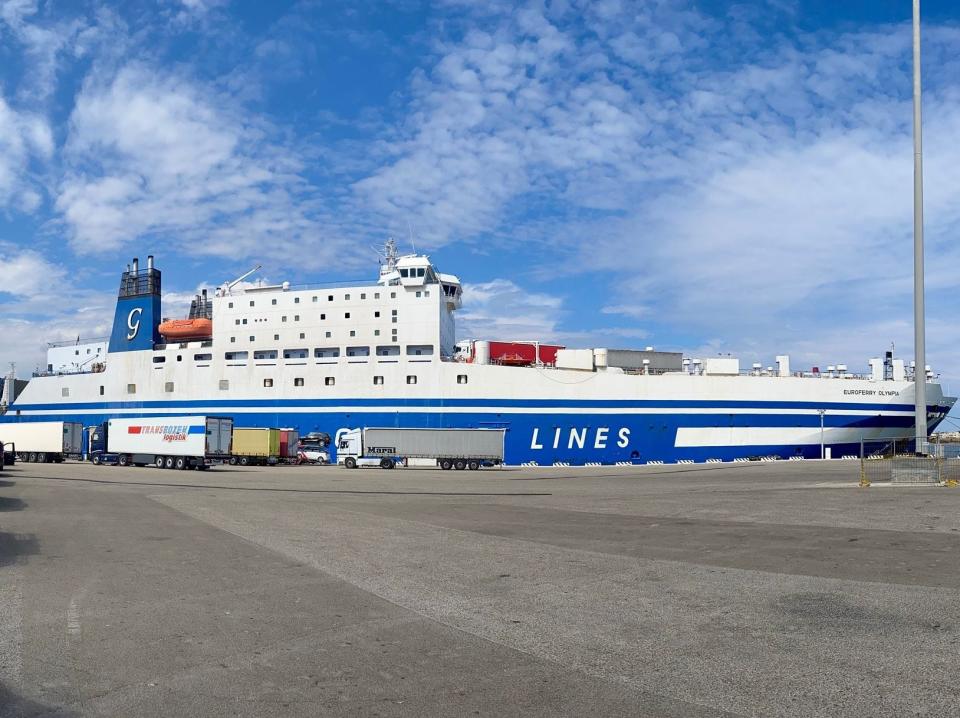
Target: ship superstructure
point(386, 354)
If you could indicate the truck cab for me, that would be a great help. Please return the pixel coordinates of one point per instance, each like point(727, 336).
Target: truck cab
point(351, 452)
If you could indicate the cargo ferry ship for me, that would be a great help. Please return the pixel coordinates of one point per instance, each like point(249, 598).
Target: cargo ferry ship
point(385, 354)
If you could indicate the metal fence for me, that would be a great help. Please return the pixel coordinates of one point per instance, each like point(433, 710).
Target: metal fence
point(901, 462)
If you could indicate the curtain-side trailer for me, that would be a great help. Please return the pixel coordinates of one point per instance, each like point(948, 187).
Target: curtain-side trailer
point(44, 441)
point(170, 442)
point(450, 448)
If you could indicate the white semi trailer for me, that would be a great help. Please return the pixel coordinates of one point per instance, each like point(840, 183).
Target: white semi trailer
point(450, 448)
point(170, 442)
point(44, 441)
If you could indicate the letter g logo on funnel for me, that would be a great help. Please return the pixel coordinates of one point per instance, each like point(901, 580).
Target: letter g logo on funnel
point(133, 322)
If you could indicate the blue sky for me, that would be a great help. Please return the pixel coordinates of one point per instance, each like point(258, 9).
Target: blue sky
point(701, 176)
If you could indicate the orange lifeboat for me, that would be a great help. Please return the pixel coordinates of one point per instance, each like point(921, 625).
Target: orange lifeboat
point(184, 329)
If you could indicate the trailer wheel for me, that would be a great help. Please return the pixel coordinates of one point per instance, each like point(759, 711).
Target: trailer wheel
point(350, 462)
point(158, 462)
point(244, 461)
point(386, 464)
point(180, 463)
point(460, 464)
point(473, 464)
point(168, 462)
point(446, 464)
point(233, 461)
point(124, 460)
point(41, 457)
point(32, 457)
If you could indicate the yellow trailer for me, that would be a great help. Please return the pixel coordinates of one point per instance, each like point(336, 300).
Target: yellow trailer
point(255, 446)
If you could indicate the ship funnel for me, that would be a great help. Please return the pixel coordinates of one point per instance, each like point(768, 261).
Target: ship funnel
point(149, 261)
point(136, 265)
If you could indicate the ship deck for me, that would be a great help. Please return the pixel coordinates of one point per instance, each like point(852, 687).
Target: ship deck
point(748, 589)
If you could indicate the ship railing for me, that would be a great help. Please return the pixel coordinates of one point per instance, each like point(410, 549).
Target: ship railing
point(97, 368)
point(76, 342)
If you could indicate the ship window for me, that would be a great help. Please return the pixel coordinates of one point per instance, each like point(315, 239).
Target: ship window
point(393, 312)
point(265, 354)
point(358, 351)
point(101, 390)
point(296, 317)
point(314, 299)
point(346, 315)
point(230, 305)
point(253, 338)
point(273, 301)
point(268, 383)
point(376, 295)
point(324, 352)
point(388, 350)
point(461, 378)
point(378, 380)
point(393, 320)
point(236, 356)
point(322, 317)
point(303, 335)
point(426, 293)
point(330, 298)
point(327, 335)
point(421, 271)
point(403, 272)
point(252, 303)
point(353, 333)
point(418, 294)
point(76, 352)
point(159, 360)
point(244, 321)
point(295, 353)
point(346, 297)
point(296, 300)
point(237, 322)
point(131, 388)
point(376, 315)
point(168, 387)
point(233, 340)
point(283, 318)
point(411, 378)
point(298, 381)
point(65, 391)
point(202, 357)
point(393, 295)
point(330, 380)
point(376, 332)
point(417, 350)
point(276, 337)
point(179, 357)
point(363, 296)
point(224, 384)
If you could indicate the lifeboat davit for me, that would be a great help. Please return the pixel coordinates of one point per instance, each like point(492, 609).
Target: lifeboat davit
point(184, 329)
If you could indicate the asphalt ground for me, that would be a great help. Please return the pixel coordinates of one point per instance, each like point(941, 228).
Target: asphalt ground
point(773, 589)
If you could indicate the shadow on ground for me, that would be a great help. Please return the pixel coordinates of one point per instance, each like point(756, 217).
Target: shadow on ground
point(10, 503)
point(15, 546)
point(14, 706)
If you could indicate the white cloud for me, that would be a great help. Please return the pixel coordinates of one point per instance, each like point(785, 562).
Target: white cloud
point(24, 137)
point(500, 309)
point(25, 273)
point(158, 156)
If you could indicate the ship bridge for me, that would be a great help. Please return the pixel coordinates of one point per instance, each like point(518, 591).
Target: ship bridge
point(416, 270)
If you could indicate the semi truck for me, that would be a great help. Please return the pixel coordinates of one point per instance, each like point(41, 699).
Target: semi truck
point(44, 441)
point(169, 442)
point(255, 446)
point(450, 448)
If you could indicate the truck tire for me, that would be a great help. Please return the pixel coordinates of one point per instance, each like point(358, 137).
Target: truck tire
point(233, 461)
point(446, 464)
point(180, 463)
point(350, 462)
point(158, 462)
point(244, 461)
point(460, 464)
point(168, 462)
point(32, 457)
point(124, 460)
point(41, 457)
point(97, 459)
point(386, 464)
point(473, 464)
